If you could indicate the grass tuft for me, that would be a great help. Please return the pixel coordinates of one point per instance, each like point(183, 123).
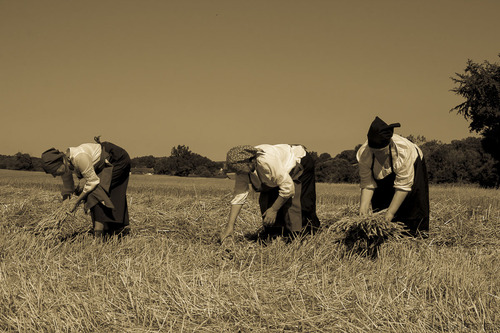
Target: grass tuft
point(365, 234)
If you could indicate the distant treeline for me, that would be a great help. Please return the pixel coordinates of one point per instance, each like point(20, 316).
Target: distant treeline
point(181, 162)
point(461, 161)
point(20, 161)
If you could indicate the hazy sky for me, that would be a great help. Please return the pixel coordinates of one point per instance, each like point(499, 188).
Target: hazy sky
point(149, 75)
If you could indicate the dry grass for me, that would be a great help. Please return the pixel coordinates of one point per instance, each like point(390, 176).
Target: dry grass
point(171, 275)
point(365, 235)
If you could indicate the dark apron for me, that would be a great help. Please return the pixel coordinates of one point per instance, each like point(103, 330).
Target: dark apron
point(414, 211)
point(298, 213)
point(119, 159)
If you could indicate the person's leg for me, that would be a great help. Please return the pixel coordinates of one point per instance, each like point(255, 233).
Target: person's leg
point(99, 229)
point(310, 221)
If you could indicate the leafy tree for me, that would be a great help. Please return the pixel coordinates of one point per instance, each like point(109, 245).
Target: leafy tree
point(314, 156)
point(480, 86)
point(181, 151)
point(160, 166)
point(324, 157)
point(183, 162)
point(348, 155)
point(461, 161)
point(23, 162)
point(144, 162)
point(340, 169)
point(19, 161)
point(418, 140)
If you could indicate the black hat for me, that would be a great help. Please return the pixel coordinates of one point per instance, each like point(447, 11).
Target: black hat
point(380, 134)
point(52, 160)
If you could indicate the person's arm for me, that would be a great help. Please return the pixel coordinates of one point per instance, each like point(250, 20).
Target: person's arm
point(367, 183)
point(240, 196)
point(273, 169)
point(397, 200)
point(84, 164)
point(233, 215)
point(80, 198)
point(405, 173)
point(365, 200)
point(270, 214)
point(68, 186)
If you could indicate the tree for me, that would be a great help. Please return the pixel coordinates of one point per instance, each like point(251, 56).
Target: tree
point(181, 151)
point(23, 162)
point(461, 161)
point(480, 86)
point(418, 140)
point(161, 166)
point(183, 162)
point(339, 169)
point(144, 162)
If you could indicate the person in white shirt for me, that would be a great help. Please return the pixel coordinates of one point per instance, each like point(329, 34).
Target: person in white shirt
point(104, 169)
point(393, 176)
point(284, 176)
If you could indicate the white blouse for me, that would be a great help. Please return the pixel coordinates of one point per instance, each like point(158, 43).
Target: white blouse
point(274, 164)
point(83, 158)
point(404, 154)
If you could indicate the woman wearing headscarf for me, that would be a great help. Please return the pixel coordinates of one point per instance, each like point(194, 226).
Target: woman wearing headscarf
point(394, 176)
point(103, 169)
point(284, 176)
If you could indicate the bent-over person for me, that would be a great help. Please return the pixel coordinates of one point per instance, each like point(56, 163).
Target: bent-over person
point(284, 175)
point(393, 175)
point(103, 169)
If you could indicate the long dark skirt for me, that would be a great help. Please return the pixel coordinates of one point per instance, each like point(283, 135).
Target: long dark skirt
point(298, 213)
point(118, 217)
point(414, 211)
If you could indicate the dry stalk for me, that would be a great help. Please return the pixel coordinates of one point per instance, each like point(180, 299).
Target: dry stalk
point(365, 234)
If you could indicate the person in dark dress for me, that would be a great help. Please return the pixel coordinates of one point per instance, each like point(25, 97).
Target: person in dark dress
point(103, 169)
point(284, 176)
point(393, 176)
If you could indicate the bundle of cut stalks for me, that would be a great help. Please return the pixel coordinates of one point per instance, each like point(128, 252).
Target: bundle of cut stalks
point(53, 222)
point(365, 234)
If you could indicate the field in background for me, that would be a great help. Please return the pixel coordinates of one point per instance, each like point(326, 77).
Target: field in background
point(171, 275)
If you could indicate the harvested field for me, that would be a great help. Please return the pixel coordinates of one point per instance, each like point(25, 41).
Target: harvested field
point(171, 274)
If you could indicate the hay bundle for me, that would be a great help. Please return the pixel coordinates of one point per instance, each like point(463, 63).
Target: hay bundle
point(50, 226)
point(365, 234)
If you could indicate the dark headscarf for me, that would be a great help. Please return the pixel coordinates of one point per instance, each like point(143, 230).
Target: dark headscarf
point(380, 134)
point(52, 160)
point(239, 156)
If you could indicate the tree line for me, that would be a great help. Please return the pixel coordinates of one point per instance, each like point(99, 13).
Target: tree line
point(181, 162)
point(462, 161)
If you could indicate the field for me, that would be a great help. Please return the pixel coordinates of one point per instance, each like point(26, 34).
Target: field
point(171, 274)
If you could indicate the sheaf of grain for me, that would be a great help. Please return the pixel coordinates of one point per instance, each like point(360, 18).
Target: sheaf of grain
point(365, 234)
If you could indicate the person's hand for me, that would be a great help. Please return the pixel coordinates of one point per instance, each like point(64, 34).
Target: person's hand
point(388, 216)
point(364, 212)
point(269, 216)
point(74, 206)
point(67, 204)
point(79, 188)
point(70, 205)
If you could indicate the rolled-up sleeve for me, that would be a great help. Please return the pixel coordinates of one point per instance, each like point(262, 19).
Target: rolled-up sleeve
point(273, 171)
point(404, 169)
point(83, 163)
point(241, 190)
point(286, 186)
point(364, 157)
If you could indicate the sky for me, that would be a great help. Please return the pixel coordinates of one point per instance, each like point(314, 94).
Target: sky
point(149, 75)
